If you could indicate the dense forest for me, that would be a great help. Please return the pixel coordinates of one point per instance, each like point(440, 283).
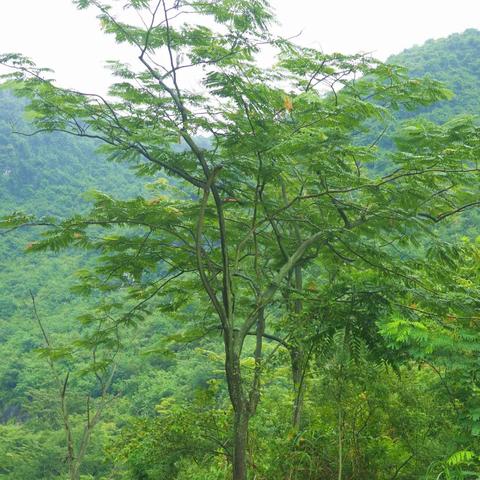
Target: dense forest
point(274, 278)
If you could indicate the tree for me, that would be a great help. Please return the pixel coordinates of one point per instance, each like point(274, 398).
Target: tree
point(63, 361)
point(443, 335)
point(283, 191)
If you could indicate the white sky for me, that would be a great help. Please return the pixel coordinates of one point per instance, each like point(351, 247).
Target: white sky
point(55, 34)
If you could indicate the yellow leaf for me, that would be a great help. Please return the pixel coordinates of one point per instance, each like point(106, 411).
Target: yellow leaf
point(287, 103)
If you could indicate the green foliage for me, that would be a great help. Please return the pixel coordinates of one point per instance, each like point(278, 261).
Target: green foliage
point(454, 61)
point(279, 222)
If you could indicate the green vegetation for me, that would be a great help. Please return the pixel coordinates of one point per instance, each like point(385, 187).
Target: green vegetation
point(454, 61)
point(269, 303)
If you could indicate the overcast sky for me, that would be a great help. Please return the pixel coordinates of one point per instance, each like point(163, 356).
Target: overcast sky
point(55, 34)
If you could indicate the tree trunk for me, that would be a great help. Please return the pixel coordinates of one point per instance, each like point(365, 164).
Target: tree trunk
point(240, 440)
point(340, 444)
point(74, 471)
point(233, 349)
point(297, 358)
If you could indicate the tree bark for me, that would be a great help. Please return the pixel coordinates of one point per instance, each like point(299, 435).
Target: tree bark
point(240, 443)
point(297, 359)
point(233, 349)
point(74, 471)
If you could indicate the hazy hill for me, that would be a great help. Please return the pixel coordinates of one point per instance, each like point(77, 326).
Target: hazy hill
point(454, 60)
point(45, 175)
point(48, 173)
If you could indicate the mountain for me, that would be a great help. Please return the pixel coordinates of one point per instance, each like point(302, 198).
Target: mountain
point(43, 175)
point(455, 61)
point(47, 174)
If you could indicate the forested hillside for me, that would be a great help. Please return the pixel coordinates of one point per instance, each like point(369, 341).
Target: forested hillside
point(365, 375)
point(51, 175)
point(46, 175)
point(453, 60)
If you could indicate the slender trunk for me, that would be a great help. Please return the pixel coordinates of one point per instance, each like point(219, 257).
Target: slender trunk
point(244, 401)
point(240, 444)
point(341, 420)
point(233, 348)
point(340, 444)
point(297, 359)
point(74, 471)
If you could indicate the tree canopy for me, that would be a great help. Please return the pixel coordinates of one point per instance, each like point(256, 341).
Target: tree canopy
point(278, 229)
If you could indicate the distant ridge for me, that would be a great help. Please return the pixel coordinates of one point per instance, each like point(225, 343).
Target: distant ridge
point(454, 60)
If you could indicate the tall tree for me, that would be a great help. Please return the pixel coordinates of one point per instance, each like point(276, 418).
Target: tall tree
point(283, 187)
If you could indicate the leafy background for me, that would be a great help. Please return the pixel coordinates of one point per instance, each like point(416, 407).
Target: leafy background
point(408, 425)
